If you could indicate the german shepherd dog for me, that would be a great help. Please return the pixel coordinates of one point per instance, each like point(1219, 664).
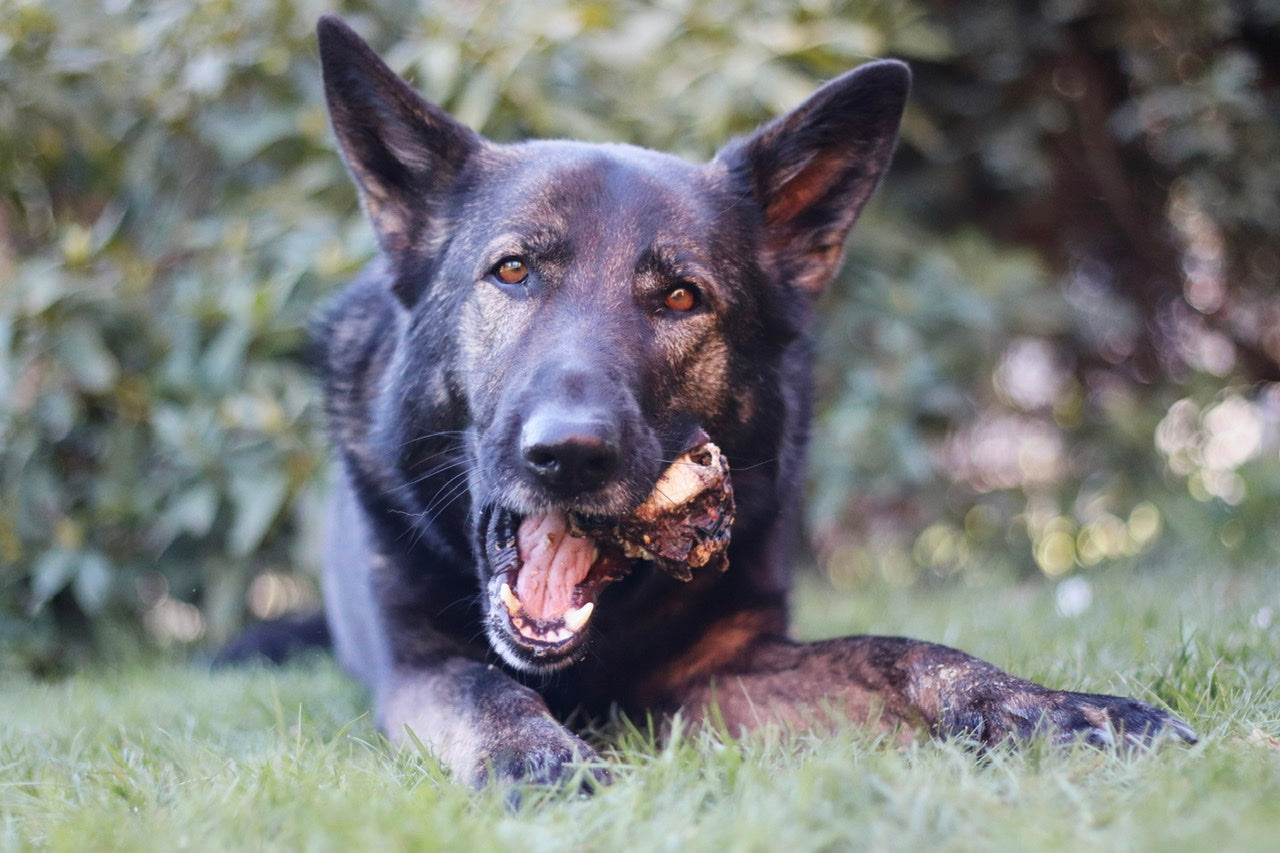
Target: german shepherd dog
point(547, 326)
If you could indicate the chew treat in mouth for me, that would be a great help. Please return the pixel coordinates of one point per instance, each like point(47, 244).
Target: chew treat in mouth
point(685, 522)
point(554, 564)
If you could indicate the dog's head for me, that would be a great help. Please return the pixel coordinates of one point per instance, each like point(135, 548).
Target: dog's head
point(591, 308)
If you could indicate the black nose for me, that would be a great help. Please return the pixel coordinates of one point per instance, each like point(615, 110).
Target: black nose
point(571, 454)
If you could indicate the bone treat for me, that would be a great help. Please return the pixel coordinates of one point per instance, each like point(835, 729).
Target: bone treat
point(685, 522)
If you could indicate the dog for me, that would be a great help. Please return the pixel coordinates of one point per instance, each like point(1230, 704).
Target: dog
point(546, 327)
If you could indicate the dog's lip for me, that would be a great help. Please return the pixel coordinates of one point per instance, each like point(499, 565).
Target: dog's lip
point(552, 640)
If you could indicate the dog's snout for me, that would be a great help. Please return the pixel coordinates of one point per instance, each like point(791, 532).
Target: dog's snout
point(571, 454)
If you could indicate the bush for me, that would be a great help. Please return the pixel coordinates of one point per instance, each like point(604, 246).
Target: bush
point(172, 211)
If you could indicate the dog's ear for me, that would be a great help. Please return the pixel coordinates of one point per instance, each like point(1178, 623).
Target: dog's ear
point(402, 151)
point(813, 169)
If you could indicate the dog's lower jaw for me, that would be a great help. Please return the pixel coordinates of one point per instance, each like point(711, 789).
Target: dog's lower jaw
point(551, 630)
point(562, 647)
point(528, 657)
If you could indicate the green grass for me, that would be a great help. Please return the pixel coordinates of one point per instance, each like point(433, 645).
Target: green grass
point(169, 757)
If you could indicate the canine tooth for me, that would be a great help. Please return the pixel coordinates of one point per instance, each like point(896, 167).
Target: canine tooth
point(578, 616)
point(509, 599)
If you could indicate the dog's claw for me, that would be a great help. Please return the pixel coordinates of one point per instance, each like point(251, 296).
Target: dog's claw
point(1137, 724)
point(992, 717)
point(1101, 738)
point(1175, 729)
point(540, 752)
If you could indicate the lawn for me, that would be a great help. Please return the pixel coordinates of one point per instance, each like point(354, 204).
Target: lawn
point(168, 756)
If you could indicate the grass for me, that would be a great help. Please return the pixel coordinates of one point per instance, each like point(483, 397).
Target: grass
point(169, 757)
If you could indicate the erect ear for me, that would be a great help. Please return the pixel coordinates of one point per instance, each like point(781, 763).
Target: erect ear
point(402, 151)
point(813, 169)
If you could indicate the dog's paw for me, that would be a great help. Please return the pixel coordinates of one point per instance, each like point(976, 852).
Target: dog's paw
point(540, 751)
point(1021, 713)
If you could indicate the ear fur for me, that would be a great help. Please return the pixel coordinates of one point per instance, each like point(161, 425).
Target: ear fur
point(402, 151)
point(813, 169)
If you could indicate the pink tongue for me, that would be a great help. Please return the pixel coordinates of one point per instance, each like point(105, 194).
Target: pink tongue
point(553, 563)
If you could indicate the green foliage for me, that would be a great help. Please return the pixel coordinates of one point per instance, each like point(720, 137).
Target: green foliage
point(172, 212)
point(1073, 300)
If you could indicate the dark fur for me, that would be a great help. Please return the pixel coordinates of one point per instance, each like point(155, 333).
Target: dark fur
point(437, 372)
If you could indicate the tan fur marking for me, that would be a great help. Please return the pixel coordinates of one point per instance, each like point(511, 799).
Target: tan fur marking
point(720, 645)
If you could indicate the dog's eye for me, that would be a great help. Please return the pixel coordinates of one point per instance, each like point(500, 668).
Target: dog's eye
point(682, 297)
point(511, 270)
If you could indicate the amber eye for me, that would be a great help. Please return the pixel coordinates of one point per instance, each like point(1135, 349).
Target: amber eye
point(512, 270)
point(681, 298)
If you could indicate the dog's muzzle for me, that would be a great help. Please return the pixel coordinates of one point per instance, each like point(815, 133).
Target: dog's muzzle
point(546, 570)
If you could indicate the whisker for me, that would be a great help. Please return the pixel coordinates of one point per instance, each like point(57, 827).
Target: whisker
point(463, 601)
point(753, 466)
point(445, 496)
point(444, 433)
point(732, 466)
point(431, 472)
point(664, 495)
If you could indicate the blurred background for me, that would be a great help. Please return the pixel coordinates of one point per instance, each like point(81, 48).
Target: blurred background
point(1054, 351)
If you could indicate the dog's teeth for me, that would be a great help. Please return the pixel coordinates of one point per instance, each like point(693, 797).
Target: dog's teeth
point(560, 635)
point(578, 616)
point(509, 599)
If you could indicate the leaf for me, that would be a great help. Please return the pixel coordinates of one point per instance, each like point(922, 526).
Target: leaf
point(257, 501)
point(49, 576)
point(6, 361)
point(93, 580)
point(223, 360)
point(192, 511)
point(106, 226)
point(84, 354)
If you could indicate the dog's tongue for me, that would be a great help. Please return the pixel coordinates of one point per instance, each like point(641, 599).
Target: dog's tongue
point(553, 563)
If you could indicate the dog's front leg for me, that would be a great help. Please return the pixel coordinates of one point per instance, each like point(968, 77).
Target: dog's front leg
point(480, 724)
point(900, 684)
